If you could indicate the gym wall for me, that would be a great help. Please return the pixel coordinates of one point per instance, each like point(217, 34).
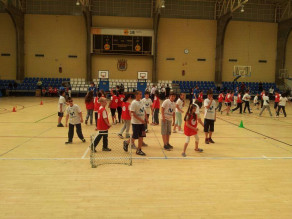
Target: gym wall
point(56, 37)
point(288, 61)
point(7, 46)
point(176, 35)
point(249, 42)
point(109, 62)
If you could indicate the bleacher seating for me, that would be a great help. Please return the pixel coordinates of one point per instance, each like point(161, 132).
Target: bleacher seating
point(253, 86)
point(185, 86)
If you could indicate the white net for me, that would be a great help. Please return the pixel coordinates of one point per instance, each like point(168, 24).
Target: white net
point(100, 155)
point(283, 73)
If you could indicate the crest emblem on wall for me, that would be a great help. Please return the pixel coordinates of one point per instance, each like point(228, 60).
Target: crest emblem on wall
point(122, 65)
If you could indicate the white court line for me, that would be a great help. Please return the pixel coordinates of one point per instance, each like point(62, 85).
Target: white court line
point(164, 158)
point(85, 153)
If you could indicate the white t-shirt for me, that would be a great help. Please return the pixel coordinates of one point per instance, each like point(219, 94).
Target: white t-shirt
point(169, 109)
point(180, 103)
point(246, 97)
point(210, 113)
point(62, 101)
point(283, 101)
point(73, 112)
point(255, 99)
point(197, 110)
point(266, 100)
point(153, 90)
point(162, 90)
point(147, 104)
point(138, 108)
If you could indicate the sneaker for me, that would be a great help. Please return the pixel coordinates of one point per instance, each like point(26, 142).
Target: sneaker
point(180, 132)
point(206, 141)
point(83, 140)
point(250, 112)
point(174, 131)
point(68, 142)
point(278, 116)
point(92, 149)
point(106, 149)
point(183, 154)
point(146, 130)
point(166, 147)
point(221, 112)
point(144, 144)
point(171, 147)
point(126, 145)
point(128, 136)
point(199, 150)
point(120, 136)
point(133, 146)
point(60, 125)
point(211, 141)
point(140, 152)
point(85, 122)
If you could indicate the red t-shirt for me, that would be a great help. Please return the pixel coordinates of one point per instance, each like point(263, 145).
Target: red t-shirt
point(121, 99)
point(101, 125)
point(192, 122)
point(114, 102)
point(126, 114)
point(156, 103)
point(220, 98)
point(89, 105)
point(262, 94)
point(96, 104)
point(277, 98)
point(228, 98)
point(200, 98)
point(239, 98)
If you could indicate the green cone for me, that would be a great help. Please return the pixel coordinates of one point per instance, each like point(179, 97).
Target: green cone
point(241, 124)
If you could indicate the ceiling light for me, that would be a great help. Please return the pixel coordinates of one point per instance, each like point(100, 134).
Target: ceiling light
point(77, 2)
point(242, 9)
point(162, 3)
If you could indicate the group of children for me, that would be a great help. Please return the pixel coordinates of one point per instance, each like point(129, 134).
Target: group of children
point(239, 99)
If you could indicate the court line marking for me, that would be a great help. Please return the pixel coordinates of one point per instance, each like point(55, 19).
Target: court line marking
point(162, 158)
point(85, 153)
point(257, 133)
point(17, 146)
point(45, 118)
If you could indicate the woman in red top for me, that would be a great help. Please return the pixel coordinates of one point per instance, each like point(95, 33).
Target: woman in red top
point(120, 103)
point(89, 106)
point(96, 107)
point(103, 127)
point(190, 128)
point(126, 116)
point(156, 106)
point(113, 105)
point(239, 103)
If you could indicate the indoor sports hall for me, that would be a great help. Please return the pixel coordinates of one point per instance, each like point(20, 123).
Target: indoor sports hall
point(236, 53)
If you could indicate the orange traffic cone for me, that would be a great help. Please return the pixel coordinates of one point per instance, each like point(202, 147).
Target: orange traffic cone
point(41, 103)
point(14, 109)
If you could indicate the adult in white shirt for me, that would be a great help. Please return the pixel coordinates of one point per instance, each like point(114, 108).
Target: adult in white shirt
point(282, 104)
point(266, 104)
point(246, 98)
point(209, 117)
point(138, 120)
point(61, 108)
point(74, 115)
point(168, 117)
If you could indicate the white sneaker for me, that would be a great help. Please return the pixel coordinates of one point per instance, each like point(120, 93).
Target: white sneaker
point(174, 131)
point(180, 132)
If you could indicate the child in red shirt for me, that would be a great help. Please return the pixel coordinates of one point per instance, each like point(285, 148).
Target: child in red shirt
point(103, 126)
point(220, 100)
point(120, 103)
point(190, 128)
point(277, 100)
point(156, 106)
point(200, 99)
point(114, 105)
point(126, 116)
point(96, 107)
point(89, 106)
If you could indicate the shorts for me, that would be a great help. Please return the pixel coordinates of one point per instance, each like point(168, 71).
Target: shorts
point(178, 118)
point(276, 104)
point(138, 131)
point(166, 127)
point(209, 125)
point(60, 114)
point(228, 104)
point(113, 111)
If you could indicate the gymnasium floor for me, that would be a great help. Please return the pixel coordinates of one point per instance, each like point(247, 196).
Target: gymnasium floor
point(246, 174)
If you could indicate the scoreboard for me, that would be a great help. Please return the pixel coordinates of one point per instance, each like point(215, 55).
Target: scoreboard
point(126, 44)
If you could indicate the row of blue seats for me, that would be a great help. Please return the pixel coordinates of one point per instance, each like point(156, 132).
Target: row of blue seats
point(45, 79)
